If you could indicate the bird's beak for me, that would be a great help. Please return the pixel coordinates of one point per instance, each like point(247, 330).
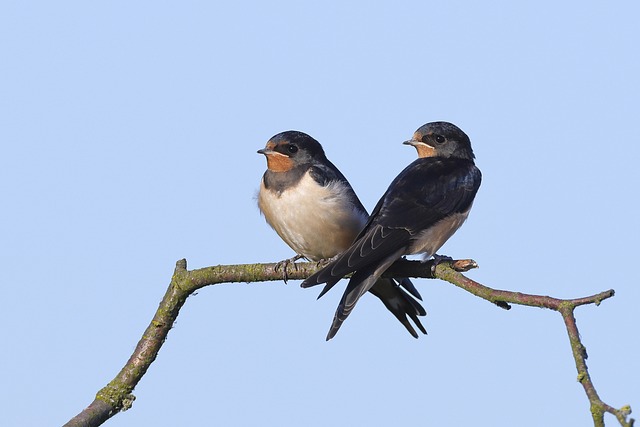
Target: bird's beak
point(423, 149)
point(416, 143)
point(269, 152)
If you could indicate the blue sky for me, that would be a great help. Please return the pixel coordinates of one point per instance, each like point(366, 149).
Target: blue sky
point(129, 135)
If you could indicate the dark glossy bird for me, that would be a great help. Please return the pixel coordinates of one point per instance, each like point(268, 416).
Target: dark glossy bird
point(313, 208)
point(422, 208)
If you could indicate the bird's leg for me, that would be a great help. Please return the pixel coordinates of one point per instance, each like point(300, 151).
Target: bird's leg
point(284, 264)
point(438, 259)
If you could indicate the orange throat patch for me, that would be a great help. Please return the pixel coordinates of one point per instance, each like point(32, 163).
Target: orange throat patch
point(425, 151)
point(277, 162)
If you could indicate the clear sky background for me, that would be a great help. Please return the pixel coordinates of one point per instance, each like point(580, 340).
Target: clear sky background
point(129, 133)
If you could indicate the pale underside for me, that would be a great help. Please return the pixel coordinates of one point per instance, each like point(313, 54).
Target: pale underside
point(315, 221)
point(428, 241)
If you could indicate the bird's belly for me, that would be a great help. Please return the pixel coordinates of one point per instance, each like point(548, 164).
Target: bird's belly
point(315, 221)
point(430, 240)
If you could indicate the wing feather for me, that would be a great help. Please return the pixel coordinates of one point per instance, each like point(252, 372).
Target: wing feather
point(427, 191)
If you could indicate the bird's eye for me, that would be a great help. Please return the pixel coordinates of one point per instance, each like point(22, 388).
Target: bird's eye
point(440, 139)
point(292, 148)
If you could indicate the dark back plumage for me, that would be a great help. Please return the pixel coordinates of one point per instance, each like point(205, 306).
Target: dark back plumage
point(423, 206)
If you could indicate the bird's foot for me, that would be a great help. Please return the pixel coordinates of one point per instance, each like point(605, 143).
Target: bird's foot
point(284, 265)
point(439, 259)
point(325, 261)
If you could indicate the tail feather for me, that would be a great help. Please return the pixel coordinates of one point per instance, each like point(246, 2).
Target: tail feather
point(409, 287)
point(357, 286)
point(328, 287)
point(361, 281)
point(417, 322)
point(400, 304)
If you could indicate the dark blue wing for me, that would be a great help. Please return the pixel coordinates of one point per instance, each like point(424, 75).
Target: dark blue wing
point(427, 191)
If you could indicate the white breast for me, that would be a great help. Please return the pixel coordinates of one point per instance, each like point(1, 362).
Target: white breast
point(317, 222)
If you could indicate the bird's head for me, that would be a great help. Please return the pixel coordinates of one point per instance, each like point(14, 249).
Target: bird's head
point(289, 149)
point(441, 139)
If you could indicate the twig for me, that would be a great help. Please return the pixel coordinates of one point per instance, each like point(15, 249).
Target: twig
point(116, 396)
point(566, 309)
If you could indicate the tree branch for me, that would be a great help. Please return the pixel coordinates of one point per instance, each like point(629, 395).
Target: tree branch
point(566, 309)
point(116, 396)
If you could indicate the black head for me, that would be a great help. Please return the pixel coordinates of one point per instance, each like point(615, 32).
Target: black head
point(289, 149)
point(441, 139)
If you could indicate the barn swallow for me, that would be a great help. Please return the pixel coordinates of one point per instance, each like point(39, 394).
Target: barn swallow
point(313, 208)
point(422, 208)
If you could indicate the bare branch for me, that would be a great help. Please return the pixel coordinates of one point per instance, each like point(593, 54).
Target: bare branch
point(566, 309)
point(116, 396)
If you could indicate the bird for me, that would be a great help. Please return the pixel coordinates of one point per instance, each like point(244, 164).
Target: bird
point(313, 208)
point(421, 209)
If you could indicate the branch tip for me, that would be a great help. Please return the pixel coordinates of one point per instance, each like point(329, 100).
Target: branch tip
point(181, 265)
point(127, 402)
point(463, 265)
